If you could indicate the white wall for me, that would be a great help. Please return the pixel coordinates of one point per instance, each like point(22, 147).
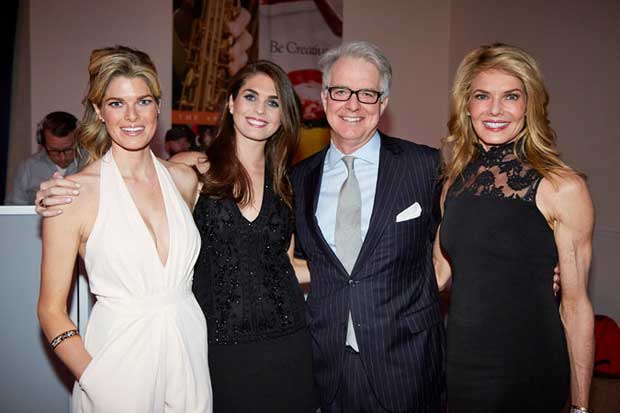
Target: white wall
point(414, 35)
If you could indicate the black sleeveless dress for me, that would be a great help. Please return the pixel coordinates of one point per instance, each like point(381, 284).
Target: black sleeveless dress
point(506, 347)
point(260, 354)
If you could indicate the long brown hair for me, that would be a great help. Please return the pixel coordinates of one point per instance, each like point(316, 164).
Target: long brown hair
point(459, 148)
point(106, 64)
point(226, 176)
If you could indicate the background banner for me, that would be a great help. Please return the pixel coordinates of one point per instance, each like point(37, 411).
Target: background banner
point(294, 34)
point(213, 39)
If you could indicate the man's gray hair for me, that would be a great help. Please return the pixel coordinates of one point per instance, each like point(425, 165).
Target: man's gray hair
point(362, 50)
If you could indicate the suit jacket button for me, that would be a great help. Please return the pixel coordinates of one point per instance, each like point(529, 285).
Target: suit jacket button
point(351, 282)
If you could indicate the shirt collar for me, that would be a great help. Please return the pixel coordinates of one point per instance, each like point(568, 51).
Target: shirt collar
point(368, 153)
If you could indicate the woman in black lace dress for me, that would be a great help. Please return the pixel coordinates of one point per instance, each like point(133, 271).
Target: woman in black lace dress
point(511, 210)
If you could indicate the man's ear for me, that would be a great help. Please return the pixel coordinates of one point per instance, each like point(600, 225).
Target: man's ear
point(383, 102)
point(324, 99)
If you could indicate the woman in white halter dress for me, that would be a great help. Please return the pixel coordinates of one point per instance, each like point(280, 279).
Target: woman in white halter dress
point(145, 349)
point(146, 332)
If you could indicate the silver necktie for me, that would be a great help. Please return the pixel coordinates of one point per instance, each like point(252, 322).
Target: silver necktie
point(348, 234)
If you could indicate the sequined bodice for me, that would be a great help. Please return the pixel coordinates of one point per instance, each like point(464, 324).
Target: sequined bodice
point(243, 278)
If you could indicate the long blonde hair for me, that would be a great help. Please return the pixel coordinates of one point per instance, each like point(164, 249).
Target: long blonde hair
point(106, 64)
point(538, 148)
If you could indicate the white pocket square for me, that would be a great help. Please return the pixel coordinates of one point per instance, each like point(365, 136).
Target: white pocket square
point(411, 212)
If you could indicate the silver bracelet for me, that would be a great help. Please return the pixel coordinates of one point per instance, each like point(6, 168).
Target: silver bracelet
point(578, 409)
point(59, 338)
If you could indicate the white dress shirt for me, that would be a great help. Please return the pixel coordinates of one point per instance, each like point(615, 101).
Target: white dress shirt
point(366, 168)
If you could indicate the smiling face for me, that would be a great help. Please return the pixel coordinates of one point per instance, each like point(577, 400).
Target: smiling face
point(353, 123)
point(129, 111)
point(497, 107)
point(256, 109)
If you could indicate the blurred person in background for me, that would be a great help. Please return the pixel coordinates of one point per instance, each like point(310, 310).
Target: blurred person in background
point(179, 138)
point(57, 154)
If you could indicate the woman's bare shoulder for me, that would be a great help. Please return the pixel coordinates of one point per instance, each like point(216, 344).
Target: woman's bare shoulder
point(89, 175)
point(563, 183)
point(82, 206)
point(185, 178)
point(181, 172)
point(563, 191)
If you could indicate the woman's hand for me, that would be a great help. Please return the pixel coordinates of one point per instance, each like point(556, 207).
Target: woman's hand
point(53, 192)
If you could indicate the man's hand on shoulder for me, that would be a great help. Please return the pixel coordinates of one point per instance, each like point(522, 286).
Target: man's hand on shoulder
point(54, 193)
point(197, 159)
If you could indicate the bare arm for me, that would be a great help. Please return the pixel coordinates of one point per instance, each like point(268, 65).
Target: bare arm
point(197, 159)
point(62, 238)
point(300, 266)
point(443, 271)
point(570, 208)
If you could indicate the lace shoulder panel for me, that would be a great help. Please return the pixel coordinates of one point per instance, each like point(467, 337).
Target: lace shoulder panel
point(498, 173)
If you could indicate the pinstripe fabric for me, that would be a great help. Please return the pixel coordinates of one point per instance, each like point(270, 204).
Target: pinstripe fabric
point(391, 293)
point(355, 394)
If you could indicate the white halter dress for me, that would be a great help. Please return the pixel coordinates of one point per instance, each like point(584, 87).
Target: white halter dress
point(146, 333)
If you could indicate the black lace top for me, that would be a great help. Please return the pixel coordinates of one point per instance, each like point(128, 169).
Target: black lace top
point(498, 173)
point(243, 278)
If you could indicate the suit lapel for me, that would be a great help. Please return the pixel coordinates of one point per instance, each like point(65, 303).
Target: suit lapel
point(386, 194)
point(313, 188)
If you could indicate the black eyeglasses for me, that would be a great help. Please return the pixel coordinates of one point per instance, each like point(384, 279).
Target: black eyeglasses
point(57, 152)
point(342, 94)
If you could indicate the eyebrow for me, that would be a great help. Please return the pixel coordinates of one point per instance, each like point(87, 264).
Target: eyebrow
point(139, 98)
point(506, 92)
point(256, 93)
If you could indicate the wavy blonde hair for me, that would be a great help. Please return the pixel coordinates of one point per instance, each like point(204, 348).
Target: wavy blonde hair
point(459, 148)
point(106, 64)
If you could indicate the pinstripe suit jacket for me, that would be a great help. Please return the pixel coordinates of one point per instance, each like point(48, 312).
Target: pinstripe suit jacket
point(391, 293)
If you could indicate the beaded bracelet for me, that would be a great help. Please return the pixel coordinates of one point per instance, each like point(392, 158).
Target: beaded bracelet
point(59, 338)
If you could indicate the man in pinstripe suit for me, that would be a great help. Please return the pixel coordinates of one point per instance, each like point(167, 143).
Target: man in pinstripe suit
point(378, 339)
